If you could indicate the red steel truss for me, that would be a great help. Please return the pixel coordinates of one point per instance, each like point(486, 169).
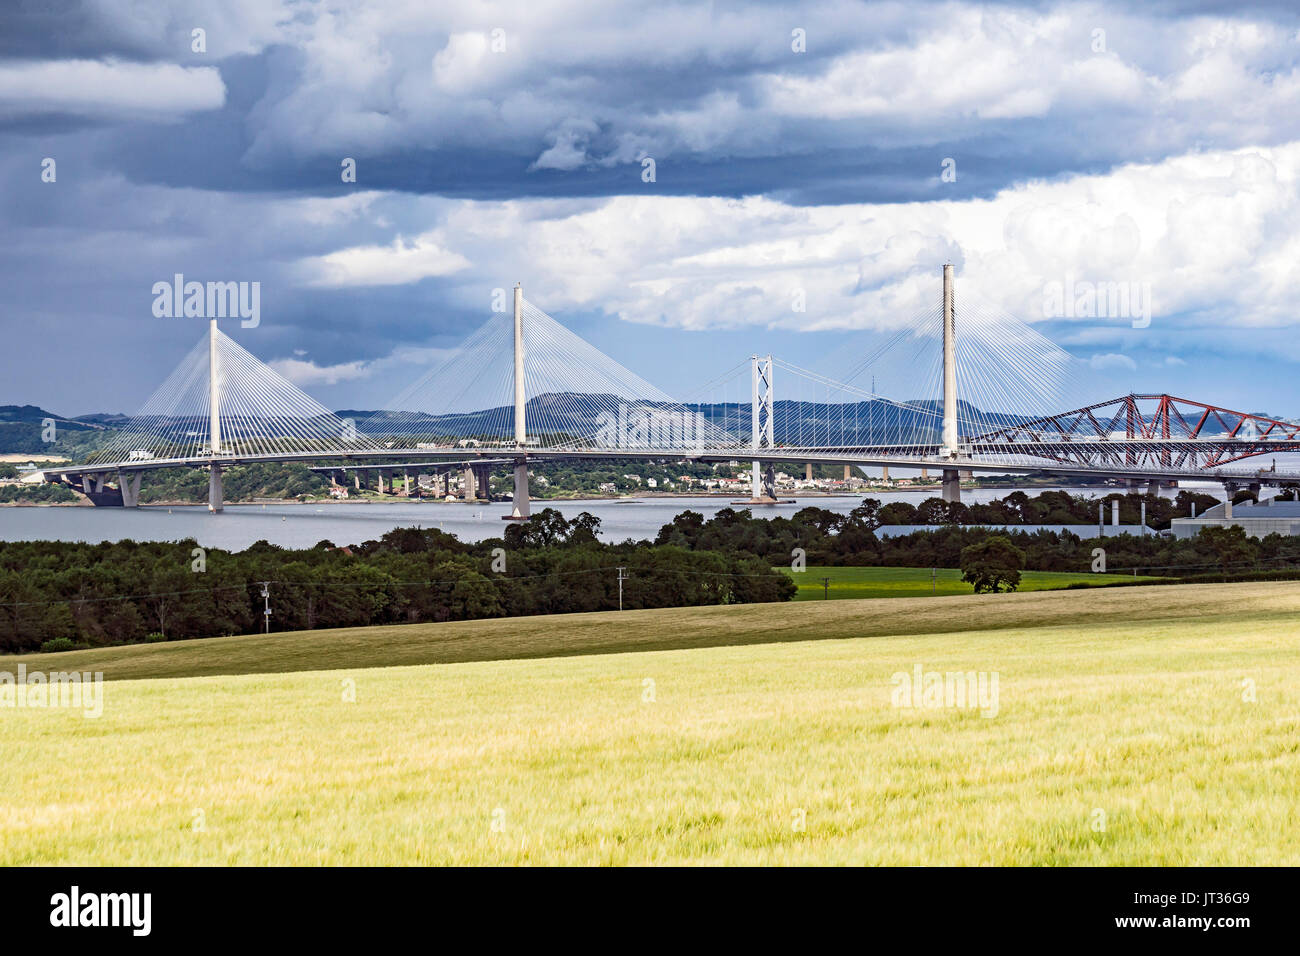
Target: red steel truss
point(1147, 430)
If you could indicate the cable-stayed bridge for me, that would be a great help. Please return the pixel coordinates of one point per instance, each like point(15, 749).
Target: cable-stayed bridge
point(524, 388)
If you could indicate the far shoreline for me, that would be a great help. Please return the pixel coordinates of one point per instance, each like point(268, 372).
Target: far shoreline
point(543, 502)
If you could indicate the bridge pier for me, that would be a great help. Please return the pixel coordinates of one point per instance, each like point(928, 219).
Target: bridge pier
point(951, 485)
point(129, 483)
point(1230, 489)
point(215, 502)
point(519, 505)
point(483, 482)
point(467, 490)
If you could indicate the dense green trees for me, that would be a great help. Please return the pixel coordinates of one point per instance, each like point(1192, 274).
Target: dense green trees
point(37, 494)
point(239, 483)
point(120, 592)
point(834, 539)
point(992, 565)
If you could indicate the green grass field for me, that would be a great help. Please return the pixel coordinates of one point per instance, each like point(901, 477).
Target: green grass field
point(1122, 736)
point(923, 582)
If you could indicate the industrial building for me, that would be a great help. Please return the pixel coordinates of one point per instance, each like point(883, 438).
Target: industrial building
point(1258, 520)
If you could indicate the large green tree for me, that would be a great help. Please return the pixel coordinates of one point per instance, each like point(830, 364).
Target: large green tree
point(992, 565)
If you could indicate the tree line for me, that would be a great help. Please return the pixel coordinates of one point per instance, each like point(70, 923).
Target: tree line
point(56, 595)
point(827, 538)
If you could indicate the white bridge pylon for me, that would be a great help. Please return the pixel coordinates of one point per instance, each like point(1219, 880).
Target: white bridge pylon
point(221, 404)
point(523, 386)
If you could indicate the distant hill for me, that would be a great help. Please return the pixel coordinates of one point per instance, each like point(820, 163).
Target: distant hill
point(857, 423)
point(34, 414)
point(22, 427)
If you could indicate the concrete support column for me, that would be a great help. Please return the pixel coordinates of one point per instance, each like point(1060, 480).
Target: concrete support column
point(925, 472)
point(215, 501)
point(807, 472)
point(408, 484)
point(884, 473)
point(1227, 505)
point(467, 489)
point(130, 484)
point(1114, 513)
point(848, 472)
point(482, 482)
point(519, 505)
point(356, 480)
point(951, 485)
point(1153, 487)
point(379, 475)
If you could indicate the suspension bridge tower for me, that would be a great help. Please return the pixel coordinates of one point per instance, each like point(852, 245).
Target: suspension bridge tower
point(215, 502)
point(951, 447)
point(519, 505)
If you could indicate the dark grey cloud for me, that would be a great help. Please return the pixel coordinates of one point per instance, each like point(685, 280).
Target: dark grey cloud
point(712, 92)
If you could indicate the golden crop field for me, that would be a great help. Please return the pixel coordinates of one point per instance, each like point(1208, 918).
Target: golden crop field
point(1151, 725)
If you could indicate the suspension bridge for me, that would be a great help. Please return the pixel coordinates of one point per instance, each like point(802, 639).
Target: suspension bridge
point(523, 388)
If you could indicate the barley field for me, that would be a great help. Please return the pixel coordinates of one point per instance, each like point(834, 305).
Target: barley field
point(1165, 736)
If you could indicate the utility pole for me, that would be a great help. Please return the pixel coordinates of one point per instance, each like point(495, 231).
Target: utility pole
point(266, 605)
point(621, 577)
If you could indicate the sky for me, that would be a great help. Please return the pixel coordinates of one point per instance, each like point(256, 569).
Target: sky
point(814, 165)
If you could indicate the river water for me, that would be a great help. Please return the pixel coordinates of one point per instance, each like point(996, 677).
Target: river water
point(302, 526)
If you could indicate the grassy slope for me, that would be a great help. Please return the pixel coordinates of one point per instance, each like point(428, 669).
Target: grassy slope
point(915, 582)
point(1143, 721)
point(614, 632)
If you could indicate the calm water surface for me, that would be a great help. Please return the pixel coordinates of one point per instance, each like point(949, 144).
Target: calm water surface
point(301, 526)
